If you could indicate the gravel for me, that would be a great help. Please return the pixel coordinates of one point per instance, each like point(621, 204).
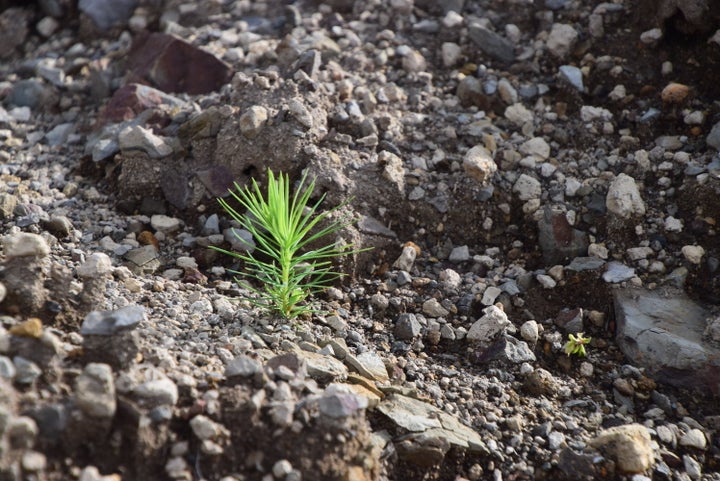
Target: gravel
point(518, 174)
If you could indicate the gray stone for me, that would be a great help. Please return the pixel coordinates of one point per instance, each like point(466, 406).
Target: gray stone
point(407, 327)
point(243, 366)
point(618, 272)
point(95, 391)
point(98, 264)
point(418, 417)
point(527, 187)
point(157, 390)
point(21, 432)
point(25, 244)
point(338, 401)
point(108, 323)
point(144, 259)
point(694, 438)
point(573, 76)
point(490, 294)
point(405, 260)
point(7, 368)
point(580, 264)
point(663, 332)
point(323, 368)
point(516, 351)
point(713, 138)
point(562, 39)
point(491, 43)
point(369, 365)
point(30, 93)
point(108, 13)
point(135, 137)
point(59, 134)
point(489, 326)
point(164, 223)
point(459, 254)
point(26, 371)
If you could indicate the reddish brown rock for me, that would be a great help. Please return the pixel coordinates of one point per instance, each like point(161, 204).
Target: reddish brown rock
point(129, 101)
point(173, 65)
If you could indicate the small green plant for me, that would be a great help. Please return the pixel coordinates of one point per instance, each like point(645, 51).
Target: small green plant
point(284, 227)
point(576, 344)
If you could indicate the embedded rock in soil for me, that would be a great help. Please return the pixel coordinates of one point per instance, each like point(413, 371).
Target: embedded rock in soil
point(689, 17)
point(629, 445)
point(663, 332)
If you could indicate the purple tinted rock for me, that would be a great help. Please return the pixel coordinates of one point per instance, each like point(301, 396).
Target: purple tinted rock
point(129, 101)
point(174, 65)
point(558, 239)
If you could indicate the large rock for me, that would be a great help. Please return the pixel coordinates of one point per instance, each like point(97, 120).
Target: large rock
point(663, 332)
point(174, 65)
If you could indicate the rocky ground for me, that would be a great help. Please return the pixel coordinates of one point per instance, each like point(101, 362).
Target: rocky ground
point(521, 170)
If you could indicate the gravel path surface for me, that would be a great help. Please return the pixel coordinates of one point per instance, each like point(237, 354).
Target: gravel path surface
point(522, 172)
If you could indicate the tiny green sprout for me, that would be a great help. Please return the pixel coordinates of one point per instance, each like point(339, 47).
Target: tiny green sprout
point(285, 227)
point(576, 344)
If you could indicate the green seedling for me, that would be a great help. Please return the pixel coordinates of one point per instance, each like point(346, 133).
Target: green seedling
point(576, 344)
point(284, 227)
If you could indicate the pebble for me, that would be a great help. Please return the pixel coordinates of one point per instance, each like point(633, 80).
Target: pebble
point(451, 54)
point(253, 120)
point(95, 391)
point(139, 138)
point(479, 164)
point(432, 308)
point(530, 331)
point(618, 272)
point(573, 76)
point(459, 254)
point(561, 40)
point(519, 115)
point(623, 198)
point(536, 147)
point(527, 187)
point(694, 438)
point(165, 224)
point(96, 265)
point(693, 254)
point(493, 322)
point(110, 322)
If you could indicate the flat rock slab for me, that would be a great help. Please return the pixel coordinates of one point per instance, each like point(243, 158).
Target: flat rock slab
point(663, 331)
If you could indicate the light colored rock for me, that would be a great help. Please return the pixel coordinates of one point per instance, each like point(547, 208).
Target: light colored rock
point(518, 114)
point(253, 120)
point(95, 391)
point(623, 198)
point(573, 76)
point(416, 416)
point(536, 147)
point(479, 164)
point(451, 54)
point(562, 39)
point(589, 113)
point(405, 260)
point(694, 438)
point(693, 254)
point(135, 137)
point(489, 326)
point(25, 244)
point(97, 264)
point(629, 445)
point(433, 308)
point(527, 187)
point(164, 223)
point(530, 331)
